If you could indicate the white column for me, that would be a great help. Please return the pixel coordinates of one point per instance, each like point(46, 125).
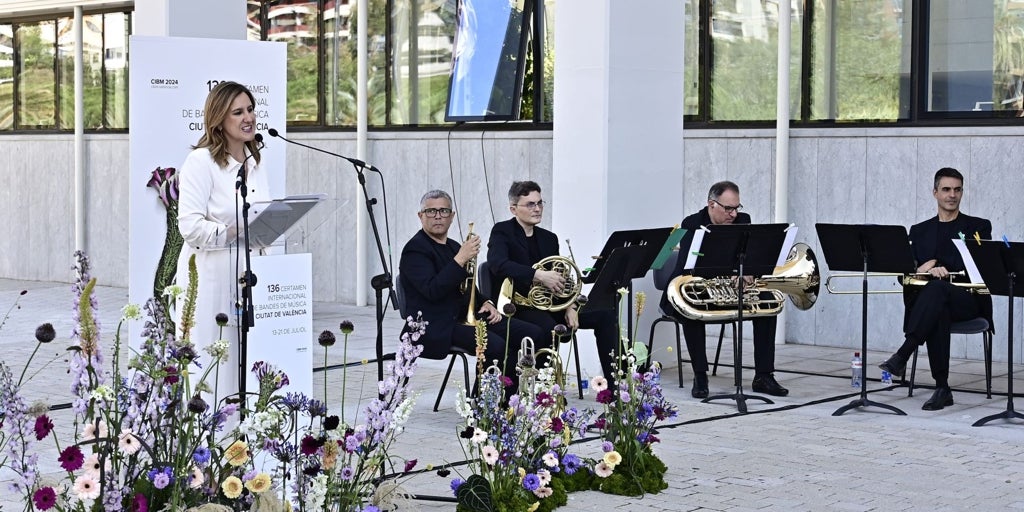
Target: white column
point(618, 135)
point(782, 138)
point(222, 19)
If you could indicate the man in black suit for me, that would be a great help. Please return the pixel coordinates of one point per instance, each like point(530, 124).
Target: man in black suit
point(431, 271)
point(516, 245)
point(723, 208)
point(939, 303)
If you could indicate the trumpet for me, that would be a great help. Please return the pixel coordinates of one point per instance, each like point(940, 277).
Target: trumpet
point(470, 284)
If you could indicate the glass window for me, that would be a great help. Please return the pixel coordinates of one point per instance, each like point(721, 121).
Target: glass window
point(691, 59)
point(340, 31)
point(296, 23)
point(860, 60)
point(36, 77)
point(421, 40)
point(115, 69)
point(975, 55)
point(92, 57)
point(744, 39)
point(6, 77)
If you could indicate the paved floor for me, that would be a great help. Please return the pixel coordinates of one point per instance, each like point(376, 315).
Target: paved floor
point(792, 455)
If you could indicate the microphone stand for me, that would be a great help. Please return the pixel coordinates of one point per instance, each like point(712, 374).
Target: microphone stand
point(248, 280)
point(379, 282)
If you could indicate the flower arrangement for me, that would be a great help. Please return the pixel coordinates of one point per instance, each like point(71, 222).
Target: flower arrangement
point(165, 181)
point(158, 437)
point(519, 449)
point(631, 405)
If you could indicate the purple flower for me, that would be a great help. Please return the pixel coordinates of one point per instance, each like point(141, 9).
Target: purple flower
point(607, 446)
point(456, 483)
point(326, 339)
point(139, 504)
point(370, 508)
point(531, 482)
point(170, 375)
point(161, 480)
point(346, 327)
point(309, 445)
point(71, 458)
point(571, 463)
point(347, 473)
point(605, 397)
point(45, 334)
point(409, 464)
point(43, 427)
point(44, 498)
point(201, 455)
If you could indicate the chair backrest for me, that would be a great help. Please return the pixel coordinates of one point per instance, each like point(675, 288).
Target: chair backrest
point(400, 296)
point(663, 275)
point(483, 281)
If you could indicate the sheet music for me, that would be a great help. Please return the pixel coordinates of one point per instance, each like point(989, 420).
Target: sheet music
point(972, 268)
point(791, 232)
point(694, 250)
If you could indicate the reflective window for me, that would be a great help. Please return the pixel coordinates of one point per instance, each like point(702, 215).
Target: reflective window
point(340, 31)
point(691, 59)
point(36, 78)
point(421, 41)
point(6, 77)
point(860, 60)
point(92, 75)
point(744, 40)
point(295, 22)
point(975, 56)
point(115, 69)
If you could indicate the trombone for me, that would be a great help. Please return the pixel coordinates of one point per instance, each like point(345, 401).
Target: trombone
point(904, 280)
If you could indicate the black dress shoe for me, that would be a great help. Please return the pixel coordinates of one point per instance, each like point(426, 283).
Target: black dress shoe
point(768, 385)
point(700, 385)
point(940, 398)
point(895, 365)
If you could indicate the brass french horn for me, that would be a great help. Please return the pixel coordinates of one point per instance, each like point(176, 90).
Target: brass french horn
point(716, 299)
point(539, 296)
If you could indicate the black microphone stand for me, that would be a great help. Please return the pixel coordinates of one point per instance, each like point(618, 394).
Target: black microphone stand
point(379, 282)
point(248, 280)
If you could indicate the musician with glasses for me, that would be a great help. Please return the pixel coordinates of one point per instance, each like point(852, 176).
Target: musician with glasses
point(723, 208)
point(432, 270)
point(931, 310)
point(516, 245)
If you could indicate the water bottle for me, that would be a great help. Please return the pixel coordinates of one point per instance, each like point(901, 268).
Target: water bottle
point(886, 377)
point(585, 385)
point(856, 370)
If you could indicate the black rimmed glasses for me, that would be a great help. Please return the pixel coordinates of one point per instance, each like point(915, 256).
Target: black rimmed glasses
point(444, 213)
point(533, 205)
point(729, 209)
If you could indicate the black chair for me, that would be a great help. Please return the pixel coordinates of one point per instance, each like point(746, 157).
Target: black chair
point(662, 277)
point(978, 325)
point(453, 352)
point(486, 285)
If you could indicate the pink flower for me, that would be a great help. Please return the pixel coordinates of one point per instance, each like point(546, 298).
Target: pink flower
point(128, 443)
point(490, 454)
point(87, 488)
point(90, 432)
point(542, 492)
point(599, 384)
point(44, 498)
point(43, 428)
point(71, 458)
point(605, 397)
point(603, 470)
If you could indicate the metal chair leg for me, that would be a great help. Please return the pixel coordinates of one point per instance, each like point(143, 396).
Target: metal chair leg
point(444, 383)
point(913, 374)
point(718, 351)
point(988, 363)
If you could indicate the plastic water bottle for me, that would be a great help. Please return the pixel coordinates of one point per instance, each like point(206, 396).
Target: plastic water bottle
point(856, 370)
point(886, 377)
point(585, 385)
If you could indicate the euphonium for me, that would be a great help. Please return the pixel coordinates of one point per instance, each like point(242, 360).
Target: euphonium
point(716, 299)
point(470, 284)
point(539, 296)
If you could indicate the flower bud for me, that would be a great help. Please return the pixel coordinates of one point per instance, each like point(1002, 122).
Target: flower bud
point(197, 405)
point(561, 329)
point(222, 319)
point(508, 309)
point(346, 327)
point(326, 339)
point(45, 333)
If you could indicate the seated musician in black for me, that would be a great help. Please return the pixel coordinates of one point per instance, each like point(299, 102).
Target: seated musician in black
point(939, 303)
point(723, 208)
point(432, 270)
point(516, 245)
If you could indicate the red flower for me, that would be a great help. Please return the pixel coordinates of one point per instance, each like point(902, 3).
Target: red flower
point(600, 424)
point(557, 425)
point(44, 498)
point(309, 445)
point(139, 504)
point(71, 458)
point(172, 375)
point(43, 427)
point(409, 464)
point(605, 397)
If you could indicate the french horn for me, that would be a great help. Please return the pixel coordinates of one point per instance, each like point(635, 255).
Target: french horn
point(539, 296)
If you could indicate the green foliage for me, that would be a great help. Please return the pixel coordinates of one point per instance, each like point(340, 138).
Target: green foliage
point(645, 475)
point(475, 495)
point(581, 480)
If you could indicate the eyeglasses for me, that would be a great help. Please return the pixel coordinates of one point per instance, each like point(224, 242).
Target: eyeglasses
point(444, 213)
point(538, 205)
point(729, 209)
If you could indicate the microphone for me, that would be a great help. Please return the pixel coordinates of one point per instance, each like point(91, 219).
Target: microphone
point(241, 170)
point(355, 161)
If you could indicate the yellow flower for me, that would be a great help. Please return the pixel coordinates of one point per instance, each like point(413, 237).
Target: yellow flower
point(237, 454)
point(641, 300)
point(232, 487)
point(533, 507)
point(330, 455)
point(612, 458)
point(259, 483)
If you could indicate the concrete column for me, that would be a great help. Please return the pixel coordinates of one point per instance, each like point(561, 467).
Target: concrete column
point(222, 19)
point(618, 135)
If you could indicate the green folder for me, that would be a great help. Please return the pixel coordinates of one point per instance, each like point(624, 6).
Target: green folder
point(666, 250)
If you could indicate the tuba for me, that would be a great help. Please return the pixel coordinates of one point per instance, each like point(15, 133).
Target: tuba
point(539, 297)
point(716, 299)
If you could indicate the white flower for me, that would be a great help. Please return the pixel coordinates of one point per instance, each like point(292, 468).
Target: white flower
point(479, 436)
point(128, 443)
point(91, 466)
point(218, 350)
point(131, 312)
point(550, 459)
point(196, 479)
point(603, 470)
point(598, 384)
point(545, 476)
point(463, 404)
point(87, 488)
point(543, 492)
point(105, 393)
point(489, 454)
point(173, 291)
point(90, 432)
point(317, 492)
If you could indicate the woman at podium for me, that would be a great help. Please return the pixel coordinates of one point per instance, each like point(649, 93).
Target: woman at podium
point(225, 159)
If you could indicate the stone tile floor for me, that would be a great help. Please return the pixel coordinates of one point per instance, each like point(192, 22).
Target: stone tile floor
point(790, 455)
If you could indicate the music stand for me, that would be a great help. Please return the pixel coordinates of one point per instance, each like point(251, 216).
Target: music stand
point(739, 250)
point(1001, 265)
point(653, 239)
point(865, 248)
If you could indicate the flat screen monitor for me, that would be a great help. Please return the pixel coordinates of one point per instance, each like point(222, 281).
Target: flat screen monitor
point(488, 61)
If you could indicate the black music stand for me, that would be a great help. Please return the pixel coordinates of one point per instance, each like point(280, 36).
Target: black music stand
point(865, 248)
point(1001, 265)
point(739, 250)
point(653, 239)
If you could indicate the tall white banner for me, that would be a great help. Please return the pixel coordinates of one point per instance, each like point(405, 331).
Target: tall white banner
point(170, 78)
